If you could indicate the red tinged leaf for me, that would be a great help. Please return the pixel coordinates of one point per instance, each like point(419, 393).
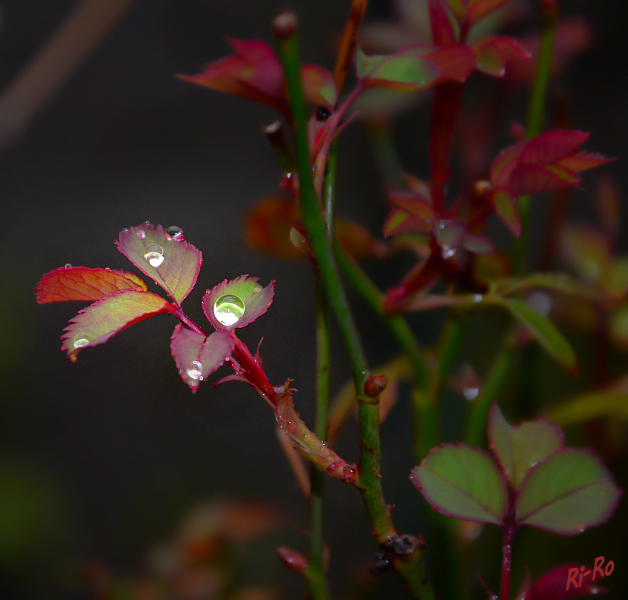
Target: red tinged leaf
point(554, 585)
point(81, 284)
point(318, 85)
point(403, 73)
point(506, 209)
point(504, 163)
point(169, 261)
point(582, 161)
point(538, 179)
point(455, 62)
point(98, 322)
point(492, 53)
point(237, 303)
point(413, 203)
point(551, 146)
point(400, 221)
point(198, 356)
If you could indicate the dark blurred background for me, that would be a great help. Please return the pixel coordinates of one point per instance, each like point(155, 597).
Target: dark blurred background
point(99, 460)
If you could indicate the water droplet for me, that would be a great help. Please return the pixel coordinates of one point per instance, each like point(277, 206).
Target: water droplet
point(146, 222)
point(107, 268)
point(325, 444)
point(141, 234)
point(67, 266)
point(80, 341)
point(228, 309)
point(442, 225)
point(125, 230)
point(470, 393)
point(448, 252)
point(175, 233)
point(477, 298)
point(195, 370)
point(580, 528)
point(154, 255)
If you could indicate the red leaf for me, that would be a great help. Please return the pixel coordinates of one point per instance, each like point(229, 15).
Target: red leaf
point(551, 146)
point(237, 303)
point(169, 261)
point(98, 322)
point(537, 179)
point(455, 62)
point(413, 203)
point(399, 221)
point(198, 356)
point(506, 209)
point(553, 585)
point(79, 284)
point(505, 162)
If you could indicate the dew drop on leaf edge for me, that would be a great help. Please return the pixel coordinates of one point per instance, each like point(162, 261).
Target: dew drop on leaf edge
point(175, 233)
point(80, 341)
point(154, 255)
point(195, 370)
point(67, 266)
point(228, 309)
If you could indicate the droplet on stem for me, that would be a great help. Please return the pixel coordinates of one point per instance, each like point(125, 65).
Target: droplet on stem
point(228, 309)
point(154, 255)
point(195, 370)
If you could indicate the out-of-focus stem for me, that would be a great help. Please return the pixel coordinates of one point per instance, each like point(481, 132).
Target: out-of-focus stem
point(480, 407)
point(536, 111)
point(276, 136)
point(368, 482)
point(349, 42)
point(85, 27)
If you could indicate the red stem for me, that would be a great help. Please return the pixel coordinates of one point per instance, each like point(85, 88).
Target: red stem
point(446, 107)
point(251, 369)
point(509, 534)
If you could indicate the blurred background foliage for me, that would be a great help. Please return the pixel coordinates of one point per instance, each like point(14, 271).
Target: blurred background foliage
point(100, 461)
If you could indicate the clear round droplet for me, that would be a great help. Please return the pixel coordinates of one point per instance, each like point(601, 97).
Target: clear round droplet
point(175, 233)
point(228, 309)
point(195, 370)
point(146, 222)
point(67, 266)
point(125, 230)
point(141, 234)
point(154, 255)
point(80, 341)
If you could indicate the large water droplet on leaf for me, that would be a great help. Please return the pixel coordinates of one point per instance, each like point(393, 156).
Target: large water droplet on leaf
point(228, 309)
point(175, 233)
point(195, 370)
point(154, 255)
point(80, 341)
point(141, 234)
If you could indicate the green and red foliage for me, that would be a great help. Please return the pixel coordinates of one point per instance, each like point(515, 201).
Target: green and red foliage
point(529, 477)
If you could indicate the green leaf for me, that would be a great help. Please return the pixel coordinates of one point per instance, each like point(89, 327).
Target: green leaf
point(506, 209)
point(169, 260)
point(238, 302)
point(101, 320)
point(520, 448)
point(590, 406)
point(544, 331)
point(365, 64)
point(567, 493)
point(559, 282)
point(462, 482)
point(403, 73)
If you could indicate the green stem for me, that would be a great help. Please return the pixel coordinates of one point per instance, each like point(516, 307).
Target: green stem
point(369, 480)
point(315, 576)
point(480, 407)
point(536, 112)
